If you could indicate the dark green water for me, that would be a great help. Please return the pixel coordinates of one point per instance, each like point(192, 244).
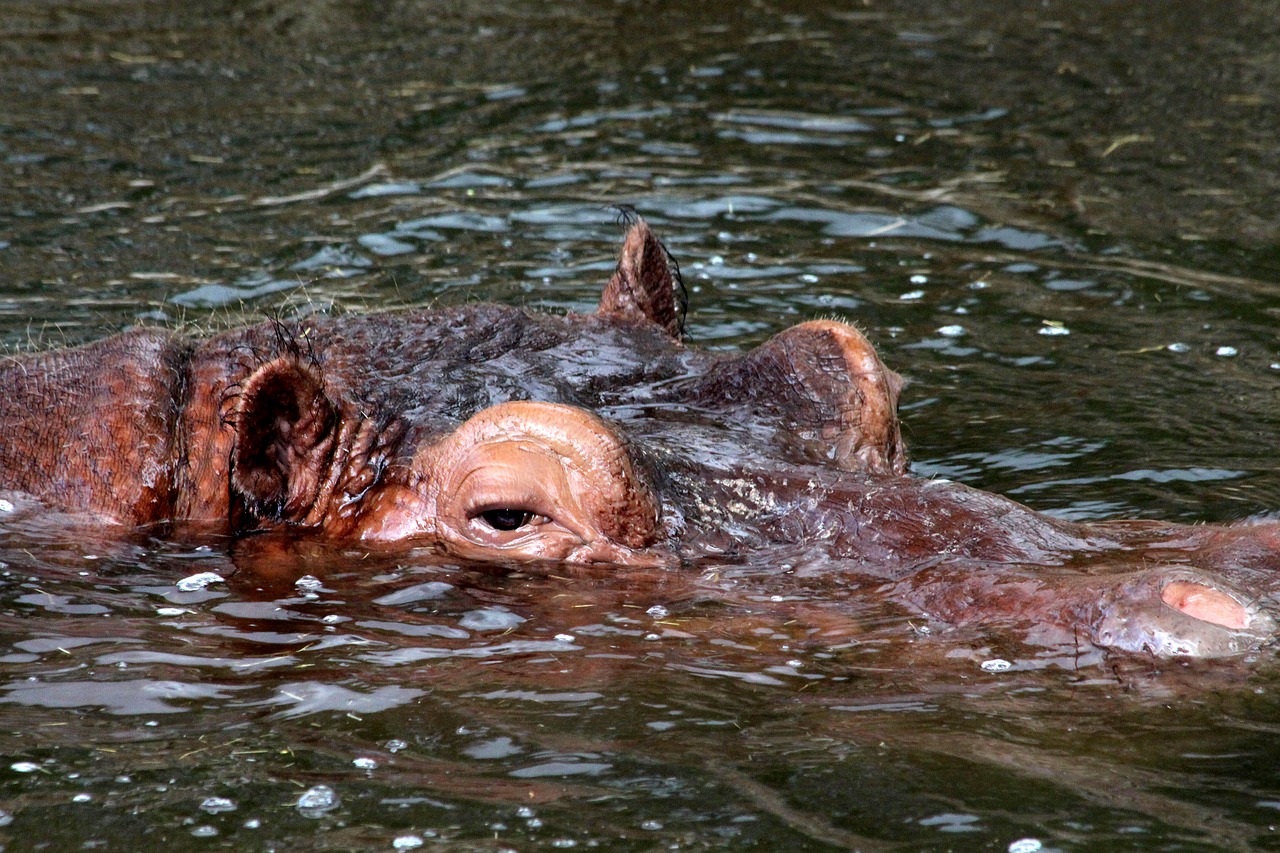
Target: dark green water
point(1058, 221)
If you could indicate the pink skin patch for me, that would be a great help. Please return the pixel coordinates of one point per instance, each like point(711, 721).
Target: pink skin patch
point(1206, 604)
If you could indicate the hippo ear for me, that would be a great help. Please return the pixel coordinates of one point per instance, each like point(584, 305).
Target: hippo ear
point(646, 284)
point(823, 384)
point(286, 429)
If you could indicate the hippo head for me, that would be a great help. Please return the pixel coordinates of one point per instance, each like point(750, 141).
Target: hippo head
point(501, 435)
point(495, 433)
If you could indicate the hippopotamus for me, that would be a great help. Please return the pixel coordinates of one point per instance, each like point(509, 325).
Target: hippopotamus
point(505, 436)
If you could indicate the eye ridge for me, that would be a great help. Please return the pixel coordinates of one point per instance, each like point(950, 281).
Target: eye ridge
point(506, 518)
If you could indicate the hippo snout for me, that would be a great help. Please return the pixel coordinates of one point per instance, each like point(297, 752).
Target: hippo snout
point(1181, 613)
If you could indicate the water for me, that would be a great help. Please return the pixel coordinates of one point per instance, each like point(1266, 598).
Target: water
point(1057, 222)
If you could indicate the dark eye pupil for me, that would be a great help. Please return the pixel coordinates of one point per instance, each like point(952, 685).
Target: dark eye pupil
point(506, 519)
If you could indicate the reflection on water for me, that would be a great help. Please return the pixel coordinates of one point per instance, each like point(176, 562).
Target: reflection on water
point(1056, 222)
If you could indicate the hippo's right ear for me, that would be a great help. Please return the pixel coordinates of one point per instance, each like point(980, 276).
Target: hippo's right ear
point(646, 285)
point(286, 429)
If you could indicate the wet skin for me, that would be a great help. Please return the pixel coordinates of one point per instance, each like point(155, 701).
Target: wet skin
point(500, 435)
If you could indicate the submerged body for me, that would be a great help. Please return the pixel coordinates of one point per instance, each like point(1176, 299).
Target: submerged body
point(496, 434)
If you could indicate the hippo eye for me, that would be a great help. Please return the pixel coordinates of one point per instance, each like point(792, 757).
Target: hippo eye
point(507, 519)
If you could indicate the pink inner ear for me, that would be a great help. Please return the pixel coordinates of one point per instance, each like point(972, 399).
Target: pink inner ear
point(1206, 604)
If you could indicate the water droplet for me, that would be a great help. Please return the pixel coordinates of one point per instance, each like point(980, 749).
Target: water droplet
point(1178, 347)
point(996, 665)
point(657, 611)
point(1226, 352)
point(195, 583)
point(951, 331)
point(365, 763)
point(317, 801)
point(217, 805)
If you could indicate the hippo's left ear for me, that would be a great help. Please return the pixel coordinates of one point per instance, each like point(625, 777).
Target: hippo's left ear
point(646, 285)
point(286, 429)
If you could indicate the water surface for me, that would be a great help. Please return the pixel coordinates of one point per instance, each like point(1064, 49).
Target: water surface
point(1057, 222)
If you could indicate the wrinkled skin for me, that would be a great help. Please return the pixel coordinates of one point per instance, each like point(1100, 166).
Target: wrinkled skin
point(499, 435)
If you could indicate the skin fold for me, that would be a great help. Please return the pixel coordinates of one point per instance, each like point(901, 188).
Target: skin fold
point(495, 434)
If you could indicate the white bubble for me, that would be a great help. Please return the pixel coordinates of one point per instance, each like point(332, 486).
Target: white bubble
point(365, 763)
point(919, 279)
point(315, 801)
point(6, 506)
point(1025, 845)
point(81, 798)
point(217, 805)
point(565, 638)
point(407, 842)
point(1226, 352)
point(951, 331)
point(24, 767)
point(996, 665)
point(1178, 347)
point(309, 583)
point(195, 583)
point(657, 611)
point(171, 611)
point(914, 294)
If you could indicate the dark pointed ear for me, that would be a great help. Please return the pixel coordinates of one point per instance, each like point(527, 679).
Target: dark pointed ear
point(825, 388)
point(286, 429)
point(646, 284)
